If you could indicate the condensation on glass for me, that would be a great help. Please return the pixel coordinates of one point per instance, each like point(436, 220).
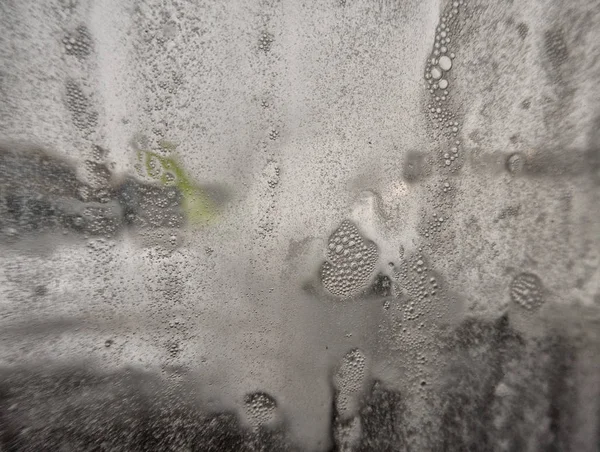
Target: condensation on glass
point(276, 225)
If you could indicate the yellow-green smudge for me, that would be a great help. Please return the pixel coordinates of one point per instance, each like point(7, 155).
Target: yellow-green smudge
point(198, 207)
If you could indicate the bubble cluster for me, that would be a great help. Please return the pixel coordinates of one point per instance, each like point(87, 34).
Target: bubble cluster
point(260, 408)
point(433, 225)
point(174, 348)
point(451, 156)
point(265, 42)
point(349, 380)
point(272, 174)
point(351, 371)
point(526, 290)
point(437, 72)
point(419, 285)
point(350, 261)
point(273, 134)
point(78, 43)
point(440, 62)
point(99, 175)
point(149, 206)
point(515, 163)
point(79, 105)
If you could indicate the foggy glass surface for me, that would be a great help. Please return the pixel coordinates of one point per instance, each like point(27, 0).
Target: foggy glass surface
point(286, 225)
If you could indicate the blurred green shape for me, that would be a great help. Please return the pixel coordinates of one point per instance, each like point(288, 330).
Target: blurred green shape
point(196, 203)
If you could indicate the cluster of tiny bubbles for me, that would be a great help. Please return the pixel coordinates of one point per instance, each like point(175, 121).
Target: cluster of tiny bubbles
point(102, 250)
point(99, 153)
point(515, 163)
point(100, 176)
point(446, 188)
point(351, 372)
point(271, 174)
point(177, 78)
point(437, 72)
point(100, 220)
point(433, 225)
point(446, 120)
point(265, 41)
point(78, 43)
point(440, 62)
point(260, 408)
point(422, 358)
point(419, 284)
point(273, 134)
point(349, 379)
point(264, 103)
point(351, 260)
point(174, 348)
point(526, 290)
point(79, 106)
point(159, 132)
point(273, 179)
point(176, 324)
point(453, 154)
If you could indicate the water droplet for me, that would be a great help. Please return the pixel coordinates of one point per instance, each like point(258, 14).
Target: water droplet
point(526, 290)
point(445, 63)
point(436, 73)
point(515, 163)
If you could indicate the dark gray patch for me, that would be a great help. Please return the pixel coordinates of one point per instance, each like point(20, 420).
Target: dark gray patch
point(415, 167)
point(592, 154)
point(40, 290)
point(40, 192)
point(79, 409)
point(260, 398)
point(382, 286)
point(533, 402)
point(477, 351)
point(523, 30)
point(508, 212)
point(150, 206)
point(383, 421)
point(555, 47)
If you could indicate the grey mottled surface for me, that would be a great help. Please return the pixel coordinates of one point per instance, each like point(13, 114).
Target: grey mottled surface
point(280, 225)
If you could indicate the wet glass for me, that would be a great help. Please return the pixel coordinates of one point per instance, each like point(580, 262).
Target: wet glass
point(276, 225)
